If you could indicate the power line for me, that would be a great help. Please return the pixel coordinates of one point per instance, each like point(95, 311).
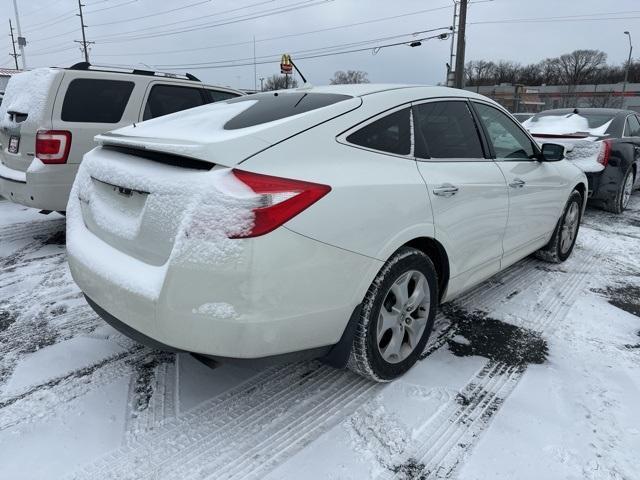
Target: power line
point(244, 18)
point(279, 37)
point(574, 18)
point(131, 19)
point(200, 17)
point(309, 51)
point(275, 57)
point(112, 6)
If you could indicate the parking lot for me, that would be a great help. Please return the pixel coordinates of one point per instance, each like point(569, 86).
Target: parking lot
point(534, 371)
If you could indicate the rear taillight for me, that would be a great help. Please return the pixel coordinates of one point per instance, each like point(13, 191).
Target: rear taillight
point(605, 152)
point(280, 199)
point(52, 146)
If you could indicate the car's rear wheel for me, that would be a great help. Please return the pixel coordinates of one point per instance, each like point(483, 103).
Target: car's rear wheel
point(620, 201)
point(564, 236)
point(396, 317)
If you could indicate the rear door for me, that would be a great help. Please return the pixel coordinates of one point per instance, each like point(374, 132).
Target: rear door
point(536, 190)
point(467, 190)
point(90, 104)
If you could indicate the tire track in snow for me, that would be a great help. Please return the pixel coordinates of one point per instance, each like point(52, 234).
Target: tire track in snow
point(288, 435)
point(453, 432)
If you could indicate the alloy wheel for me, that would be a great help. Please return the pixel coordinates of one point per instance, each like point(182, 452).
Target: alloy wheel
point(403, 316)
point(570, 227)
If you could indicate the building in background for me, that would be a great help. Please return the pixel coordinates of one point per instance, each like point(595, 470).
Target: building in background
point(522, 98)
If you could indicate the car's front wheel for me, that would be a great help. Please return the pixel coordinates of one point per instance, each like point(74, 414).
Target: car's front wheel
point(564, 236)
point(396, 317)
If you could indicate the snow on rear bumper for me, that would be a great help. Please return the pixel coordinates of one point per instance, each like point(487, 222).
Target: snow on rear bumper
point(45, 189)
point(283, 293)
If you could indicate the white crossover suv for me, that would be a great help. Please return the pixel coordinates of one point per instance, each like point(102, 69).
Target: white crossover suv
point(49, 117)
point(326, 222)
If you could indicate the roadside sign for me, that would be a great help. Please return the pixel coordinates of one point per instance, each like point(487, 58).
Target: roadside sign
point(285, 65)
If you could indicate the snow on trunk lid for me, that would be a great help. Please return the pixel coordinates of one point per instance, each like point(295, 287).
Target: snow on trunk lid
point(574, 131)
point(150, 214)
point(25, 110)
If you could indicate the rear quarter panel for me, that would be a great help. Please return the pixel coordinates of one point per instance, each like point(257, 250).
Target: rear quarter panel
point(377, 202)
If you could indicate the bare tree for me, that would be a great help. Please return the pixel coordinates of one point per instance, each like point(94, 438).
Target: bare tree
point(350, 76)
point(579, 66)
point(279, 82)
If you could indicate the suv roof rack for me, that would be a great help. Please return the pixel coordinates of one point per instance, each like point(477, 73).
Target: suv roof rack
point(134, 71)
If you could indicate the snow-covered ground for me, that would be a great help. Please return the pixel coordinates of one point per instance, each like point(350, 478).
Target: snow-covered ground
point(535, 374)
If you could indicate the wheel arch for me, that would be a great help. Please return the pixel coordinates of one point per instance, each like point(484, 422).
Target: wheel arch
point(438, 255)
point(583, 190)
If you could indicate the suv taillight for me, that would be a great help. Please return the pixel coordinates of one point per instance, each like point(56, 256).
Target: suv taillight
point(605, 152)
point(280, 199)
point(52, 146)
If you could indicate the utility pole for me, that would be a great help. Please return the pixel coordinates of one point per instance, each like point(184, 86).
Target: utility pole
point(451, 65)
point(84, 43)
point(626, 72)
point(21, 40)
point(459, 71)
point(13, 44)
point(255, 73)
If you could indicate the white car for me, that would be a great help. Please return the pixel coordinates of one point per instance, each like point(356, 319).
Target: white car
point(326, 222)
point(49, 117)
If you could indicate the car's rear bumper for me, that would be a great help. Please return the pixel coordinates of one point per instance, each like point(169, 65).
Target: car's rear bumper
point(45, 189)
point(282, 293)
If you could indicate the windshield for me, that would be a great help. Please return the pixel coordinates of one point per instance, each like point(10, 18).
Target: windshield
point(268, 107)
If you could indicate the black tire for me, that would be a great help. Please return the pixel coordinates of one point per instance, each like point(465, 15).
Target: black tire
point(616, 203)
point(365, 358)
point(553, 251)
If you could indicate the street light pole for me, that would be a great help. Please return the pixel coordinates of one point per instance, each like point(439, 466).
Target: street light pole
point(626, 72)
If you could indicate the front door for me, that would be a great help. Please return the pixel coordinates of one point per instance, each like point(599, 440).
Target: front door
point(536, 189)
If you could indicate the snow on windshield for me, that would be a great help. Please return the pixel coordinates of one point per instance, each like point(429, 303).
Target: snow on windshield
point(27, 93)
point(564, 125)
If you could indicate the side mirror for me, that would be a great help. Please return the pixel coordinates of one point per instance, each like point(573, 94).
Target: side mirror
point(552, 152)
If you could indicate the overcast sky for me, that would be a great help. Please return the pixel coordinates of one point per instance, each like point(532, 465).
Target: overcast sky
point(190, 35)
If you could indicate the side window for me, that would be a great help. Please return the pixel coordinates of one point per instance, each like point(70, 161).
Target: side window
point(390, 134)
point(218, 96)
point(166, 99)
point(446, 130)
point(506, 136)
point(632, 128)
point(95, 101)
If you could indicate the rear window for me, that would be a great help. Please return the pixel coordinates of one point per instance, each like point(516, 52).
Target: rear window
point(391, 134)
point(275, 106)
point(219, 96)
point(96, 101)
point(166, 99)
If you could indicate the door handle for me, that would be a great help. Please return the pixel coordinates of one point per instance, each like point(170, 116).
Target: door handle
point(517, 183)
point(446, 190)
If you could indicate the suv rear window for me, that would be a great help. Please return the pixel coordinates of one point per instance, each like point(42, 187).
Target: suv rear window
point(166, 99)
point(275, 106)
point(96, 101)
